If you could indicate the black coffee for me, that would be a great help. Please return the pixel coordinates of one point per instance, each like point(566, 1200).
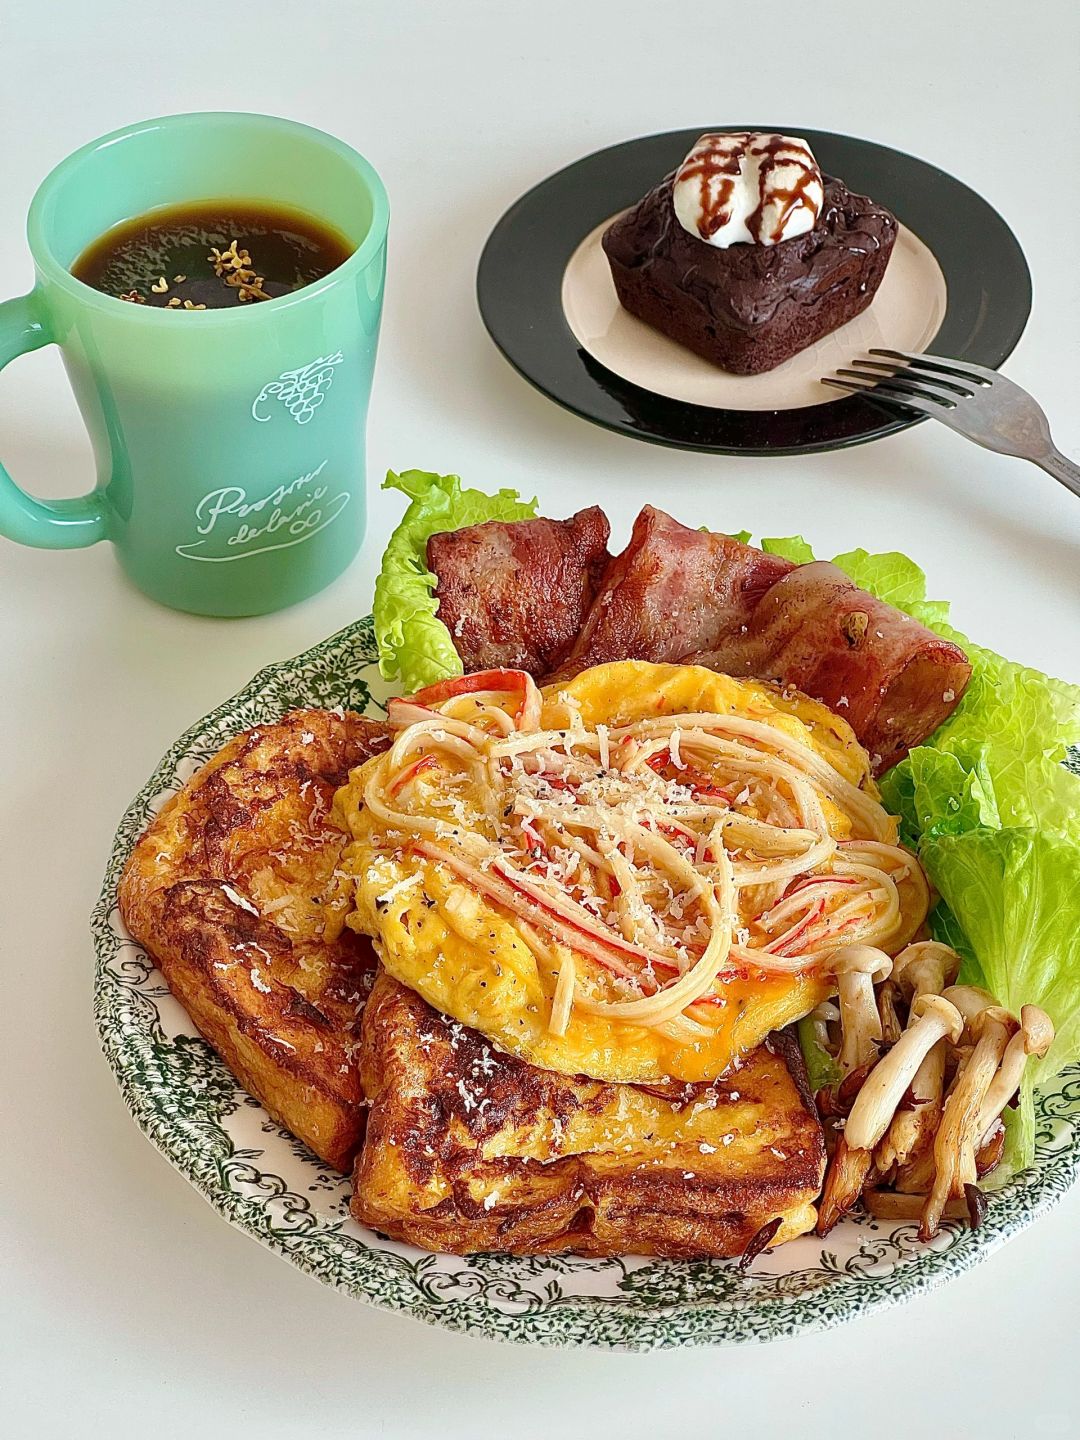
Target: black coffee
point(211, 254)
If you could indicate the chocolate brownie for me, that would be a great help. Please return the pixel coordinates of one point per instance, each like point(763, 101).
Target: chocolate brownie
point(750, 307)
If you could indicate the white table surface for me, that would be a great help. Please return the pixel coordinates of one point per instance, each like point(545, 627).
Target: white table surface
point(127, 1307)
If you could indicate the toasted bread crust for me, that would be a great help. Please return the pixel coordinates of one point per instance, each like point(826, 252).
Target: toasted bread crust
point(232, 892)
point(471, 1150)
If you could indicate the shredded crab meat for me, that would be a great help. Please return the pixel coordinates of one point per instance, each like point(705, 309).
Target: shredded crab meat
point(646, 862)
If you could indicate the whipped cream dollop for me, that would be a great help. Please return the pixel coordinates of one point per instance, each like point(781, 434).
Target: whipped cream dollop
point(745, 188)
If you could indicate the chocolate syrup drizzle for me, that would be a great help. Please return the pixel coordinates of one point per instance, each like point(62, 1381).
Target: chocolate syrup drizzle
point(720, 158)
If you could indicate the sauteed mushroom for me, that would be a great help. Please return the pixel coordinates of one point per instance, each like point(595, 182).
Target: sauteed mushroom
point(1035, 1036)
point(959, 1132)
point(916, 1173)
point(924, 968)
point(891, 1205)
point(844, 1182)
point(970, 1000)
point(893, 1119)
point(821, 1017)
point(932, 1018)
point(857, 968)
point(892, 1027)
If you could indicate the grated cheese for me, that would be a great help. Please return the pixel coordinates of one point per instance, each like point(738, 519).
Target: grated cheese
point(238, 899)
point(400, 887)
point(674, 751)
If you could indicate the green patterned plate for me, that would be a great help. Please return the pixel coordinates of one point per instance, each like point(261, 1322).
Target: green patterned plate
point(261, 1179)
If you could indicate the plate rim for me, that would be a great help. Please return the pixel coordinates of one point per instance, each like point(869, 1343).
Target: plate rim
point(630, 1323)
point(889, 422)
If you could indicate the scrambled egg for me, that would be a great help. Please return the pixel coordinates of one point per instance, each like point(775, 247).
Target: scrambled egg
point(466, 958)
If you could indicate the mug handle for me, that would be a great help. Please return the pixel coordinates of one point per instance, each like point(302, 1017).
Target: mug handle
point(48, 524)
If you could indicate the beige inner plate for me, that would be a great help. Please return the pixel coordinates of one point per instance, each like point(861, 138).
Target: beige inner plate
point(905, 314)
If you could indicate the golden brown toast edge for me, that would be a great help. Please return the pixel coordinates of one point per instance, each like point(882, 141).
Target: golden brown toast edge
point(279, 1003)
point(464, 1148)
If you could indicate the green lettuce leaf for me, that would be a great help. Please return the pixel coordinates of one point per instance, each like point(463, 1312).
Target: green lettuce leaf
point(1015, 894)
point(1016, 725)
point(946, 928)
point(936, 793)
point(896, 579)
point(415, 647)
point(792, 547)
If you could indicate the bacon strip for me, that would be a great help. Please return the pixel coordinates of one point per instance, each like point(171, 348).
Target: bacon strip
point(514, 594)
point(528, 594)
point(893, 680)
point(672, 593)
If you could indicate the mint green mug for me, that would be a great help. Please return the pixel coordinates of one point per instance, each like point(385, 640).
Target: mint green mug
point(229, 443)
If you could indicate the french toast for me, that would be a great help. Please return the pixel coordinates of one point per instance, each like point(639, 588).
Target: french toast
point(469, 1149)
point(230, 890)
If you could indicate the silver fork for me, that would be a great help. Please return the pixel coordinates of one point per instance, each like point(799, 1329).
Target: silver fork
point(974, 401)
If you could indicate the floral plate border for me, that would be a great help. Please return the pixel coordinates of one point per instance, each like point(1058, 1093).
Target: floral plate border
point(265, 1182)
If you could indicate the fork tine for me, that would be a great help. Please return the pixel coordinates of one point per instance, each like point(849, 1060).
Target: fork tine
point(891, 382)
point(912, 403)
point(900, 389)
point(974, 374)
point(847, 385)
point(895, 368)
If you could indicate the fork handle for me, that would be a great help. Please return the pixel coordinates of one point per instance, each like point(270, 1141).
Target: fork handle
point(1062, 468)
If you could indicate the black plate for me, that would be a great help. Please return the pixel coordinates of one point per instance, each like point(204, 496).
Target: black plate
point(519, 280)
